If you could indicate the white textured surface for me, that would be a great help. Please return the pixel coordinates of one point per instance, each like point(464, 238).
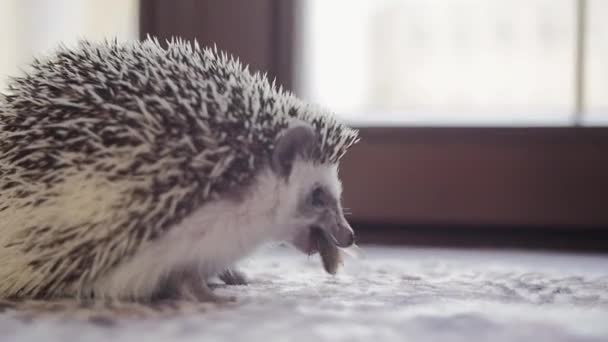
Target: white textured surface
point(389, 295)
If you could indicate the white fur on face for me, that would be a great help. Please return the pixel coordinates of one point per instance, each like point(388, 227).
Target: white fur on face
point(303, 179)
point(220, 233)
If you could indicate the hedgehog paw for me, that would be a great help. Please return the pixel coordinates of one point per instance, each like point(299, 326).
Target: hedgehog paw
point(197, 290)
point(233, 277)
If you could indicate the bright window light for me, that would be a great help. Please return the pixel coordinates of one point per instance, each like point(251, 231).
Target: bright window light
point(458, 62)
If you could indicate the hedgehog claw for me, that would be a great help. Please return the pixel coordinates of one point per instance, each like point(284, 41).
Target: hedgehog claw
point(233, 277)
point(200, 291)
point(190, 285)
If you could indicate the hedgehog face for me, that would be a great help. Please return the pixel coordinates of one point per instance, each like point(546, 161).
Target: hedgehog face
point(318, 207)
point(310, 194)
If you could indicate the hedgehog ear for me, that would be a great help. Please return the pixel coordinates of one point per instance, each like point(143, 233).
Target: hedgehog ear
point(296, 141)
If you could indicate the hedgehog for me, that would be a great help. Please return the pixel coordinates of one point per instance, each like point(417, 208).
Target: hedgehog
point(139, 171)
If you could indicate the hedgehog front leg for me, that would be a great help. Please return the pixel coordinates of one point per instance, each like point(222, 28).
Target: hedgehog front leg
point(233, 276)
point(190, 285)
point(198, 290)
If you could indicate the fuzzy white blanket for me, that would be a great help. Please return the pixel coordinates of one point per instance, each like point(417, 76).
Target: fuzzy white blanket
point(391, 294)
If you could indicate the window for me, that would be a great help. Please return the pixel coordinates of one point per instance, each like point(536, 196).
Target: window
point(31, 28)
point(460, 62)
point(596, 84)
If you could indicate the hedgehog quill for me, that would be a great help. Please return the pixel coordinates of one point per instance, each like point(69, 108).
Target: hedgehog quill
point(133, 171)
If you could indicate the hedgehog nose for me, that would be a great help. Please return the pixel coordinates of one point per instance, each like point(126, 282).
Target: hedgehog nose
point(348, 241)
point(345, 237)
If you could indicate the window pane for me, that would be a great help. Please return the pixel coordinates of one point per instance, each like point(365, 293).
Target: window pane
point(596, 86)
point(441, 62)
point(31, 28)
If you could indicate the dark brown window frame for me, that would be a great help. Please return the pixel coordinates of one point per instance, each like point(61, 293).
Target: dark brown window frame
point(533, 176)
point(258, 32)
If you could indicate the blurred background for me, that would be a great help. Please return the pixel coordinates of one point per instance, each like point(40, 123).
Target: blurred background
point(483, 121)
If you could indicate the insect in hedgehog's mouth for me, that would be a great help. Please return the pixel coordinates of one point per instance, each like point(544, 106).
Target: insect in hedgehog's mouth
point(327, 245)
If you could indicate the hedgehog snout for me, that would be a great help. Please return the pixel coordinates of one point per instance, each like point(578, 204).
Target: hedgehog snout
point(344, 235)
point(339, 232)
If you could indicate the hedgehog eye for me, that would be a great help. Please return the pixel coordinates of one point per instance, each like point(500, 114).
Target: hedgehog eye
point(317, 197)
